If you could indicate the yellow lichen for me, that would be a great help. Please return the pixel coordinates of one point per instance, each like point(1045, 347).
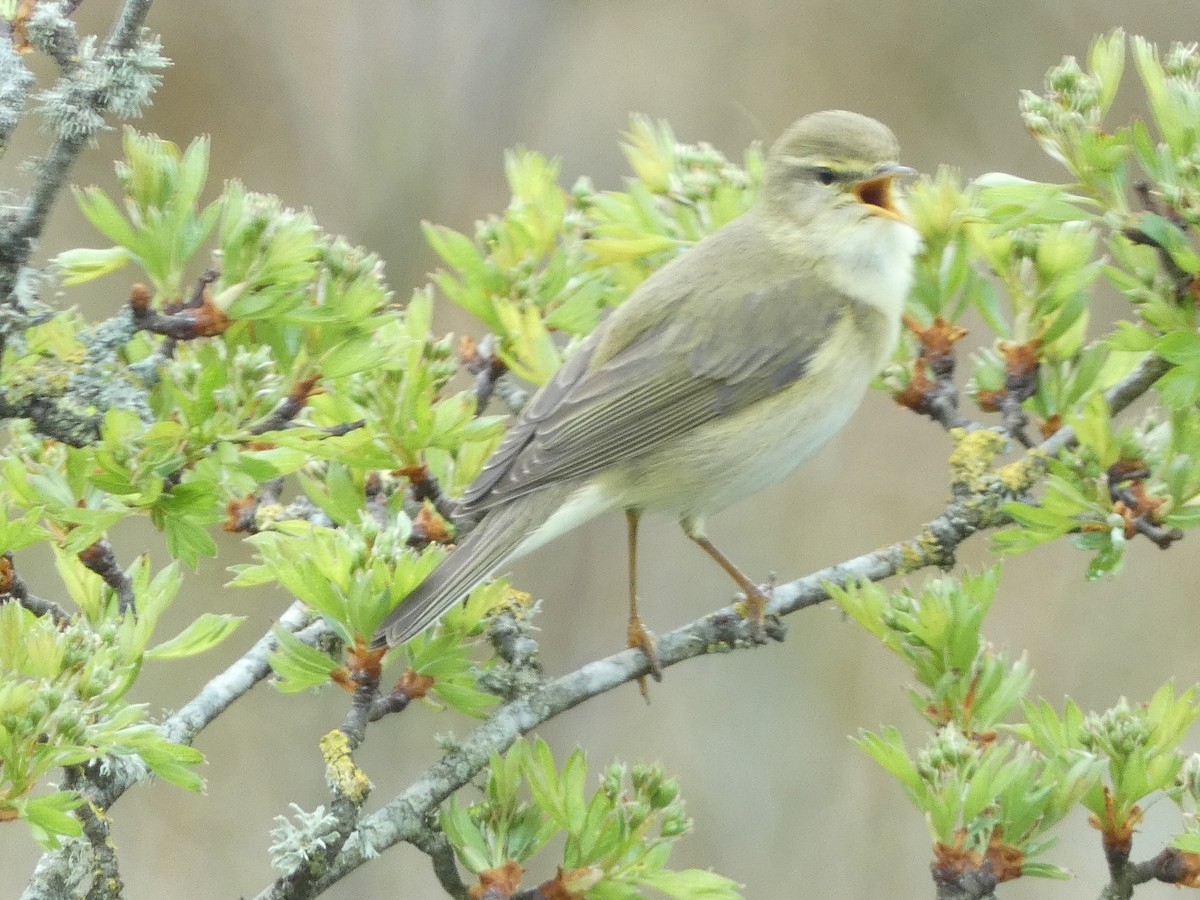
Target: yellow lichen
point(342, 774)
point(1020, 475)
point(972, 458)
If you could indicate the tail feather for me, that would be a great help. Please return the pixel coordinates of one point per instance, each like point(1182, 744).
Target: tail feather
point(497, 539)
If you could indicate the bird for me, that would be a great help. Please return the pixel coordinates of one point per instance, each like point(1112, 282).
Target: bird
point(718, 376)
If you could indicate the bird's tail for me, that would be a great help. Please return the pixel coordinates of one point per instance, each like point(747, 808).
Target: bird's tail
point(497, 539)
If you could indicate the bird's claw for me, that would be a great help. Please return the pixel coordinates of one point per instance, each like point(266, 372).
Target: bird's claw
point(640, 638)
point(754, 608)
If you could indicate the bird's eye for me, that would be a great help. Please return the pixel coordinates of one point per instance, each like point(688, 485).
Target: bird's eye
point(824, 175)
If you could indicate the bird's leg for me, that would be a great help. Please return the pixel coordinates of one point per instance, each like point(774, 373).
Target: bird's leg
point(638, 635)
point(756, 598)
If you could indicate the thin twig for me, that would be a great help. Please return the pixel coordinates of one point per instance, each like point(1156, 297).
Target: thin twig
point(1119, 396)
point(22, 234)
point(16, 588)
point(100, 558)
point(288, 408)
point(433, 843)
point(1168, 867)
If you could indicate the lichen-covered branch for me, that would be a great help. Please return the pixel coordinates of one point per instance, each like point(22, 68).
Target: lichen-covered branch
point(120, 76)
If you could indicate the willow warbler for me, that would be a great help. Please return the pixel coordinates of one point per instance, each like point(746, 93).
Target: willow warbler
point(719, 375)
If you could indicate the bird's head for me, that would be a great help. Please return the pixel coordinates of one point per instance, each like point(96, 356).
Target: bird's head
point(833, 169)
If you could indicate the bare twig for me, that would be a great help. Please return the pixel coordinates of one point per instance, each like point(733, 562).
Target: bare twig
point(288, 408)
point(432, 842)
point(179, 321)
point(13, 585)
point(15, 83)
point(425, 486)
point(99, 558)
point(1171, 866)
point(969, 884)
point(936, 397)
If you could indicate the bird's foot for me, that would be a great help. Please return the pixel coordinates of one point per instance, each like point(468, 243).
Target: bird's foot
point(754, 608)
point(641, 639)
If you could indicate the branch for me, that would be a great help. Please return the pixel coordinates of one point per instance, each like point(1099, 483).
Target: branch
point(1119, 396)
point(405, 817)
point(1171, 866)
point(13, 585)
point(20, 236)
point(99, 558)
point(433, 843)
point(221, 692)
point(15, 83)
point(491, 375)
point(936, 397)
point(106, 875)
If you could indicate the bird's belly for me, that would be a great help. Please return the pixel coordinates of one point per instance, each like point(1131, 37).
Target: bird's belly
point(730, 458)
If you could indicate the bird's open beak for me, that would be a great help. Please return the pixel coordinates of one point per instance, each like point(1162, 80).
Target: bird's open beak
point(876, 192)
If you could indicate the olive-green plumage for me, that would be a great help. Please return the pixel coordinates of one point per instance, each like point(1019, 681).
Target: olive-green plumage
point(720, 374)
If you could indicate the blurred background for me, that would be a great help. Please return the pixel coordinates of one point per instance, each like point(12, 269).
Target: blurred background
point(380, 114)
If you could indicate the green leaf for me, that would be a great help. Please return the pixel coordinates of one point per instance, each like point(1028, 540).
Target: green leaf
point(357, 354)
point(49, 817)
point(171, 762)
point(888, 750)
point(693, 884)
point(465, 698)
point(1167, 235)
point(1180, 388)
point(80, 265)
point(1128, 337)
point(105, 217)
point(16, 534)
point(187, 540)
point(1038, 518)
point(1181, 348)
point(1106, 60)
point(203, 634)
point(298, 665)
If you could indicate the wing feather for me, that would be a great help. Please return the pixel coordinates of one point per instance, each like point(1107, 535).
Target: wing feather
point(682, 351)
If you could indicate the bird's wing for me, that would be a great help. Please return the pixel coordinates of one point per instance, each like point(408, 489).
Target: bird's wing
point(646, 378)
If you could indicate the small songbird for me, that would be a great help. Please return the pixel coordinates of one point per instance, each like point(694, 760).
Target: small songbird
point(719, 375)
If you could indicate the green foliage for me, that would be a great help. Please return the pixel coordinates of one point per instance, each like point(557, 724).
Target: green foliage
point(1048, 247)
point(1138, 745)
point(983, 784)
point(937, 634)
point(162, 226)
point(353, 576)
point(308, 380)
point(975, 795)
point(618, 840)
point(556, 259)
point(62, 704)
